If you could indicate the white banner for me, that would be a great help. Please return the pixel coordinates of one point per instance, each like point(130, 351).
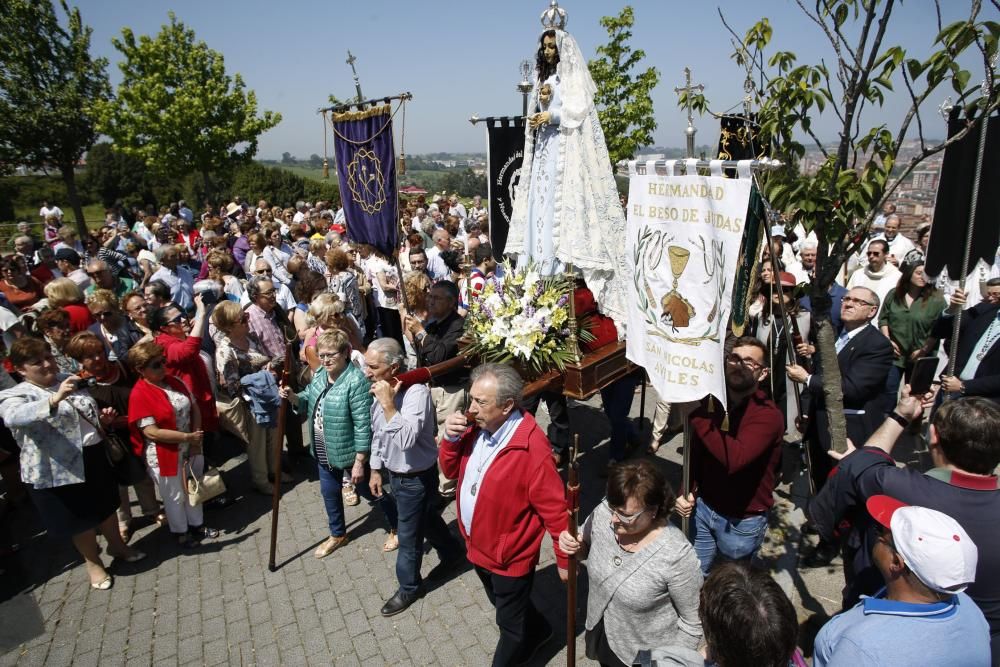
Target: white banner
point(683, 239)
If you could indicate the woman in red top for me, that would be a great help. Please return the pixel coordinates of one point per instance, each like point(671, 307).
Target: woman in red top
point(166, 430)
point(20, 288)
point(64, 294)
point(188, 236)
point(180, 339)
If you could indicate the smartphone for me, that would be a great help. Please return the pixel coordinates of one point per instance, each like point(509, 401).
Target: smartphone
point(922, 375)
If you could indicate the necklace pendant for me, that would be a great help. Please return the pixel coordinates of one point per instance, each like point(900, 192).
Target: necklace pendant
point(617, 560)
point(472, 491)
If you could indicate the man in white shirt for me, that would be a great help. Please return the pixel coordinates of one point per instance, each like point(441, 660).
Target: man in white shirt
point(455, 207)
point(416, 224)
point(879, 275)
point(300, 213)
point(47, 210)
point(899, 245)
point(68, 261)
point(435, 265)
point(805, 268)
point(176, 277)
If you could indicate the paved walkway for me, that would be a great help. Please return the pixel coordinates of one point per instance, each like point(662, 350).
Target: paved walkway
point(219, 605)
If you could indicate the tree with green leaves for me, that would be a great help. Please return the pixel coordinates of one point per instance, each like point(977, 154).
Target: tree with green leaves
point(178, 109)
point(858, 173)
point(623, 100)
point(49, 84)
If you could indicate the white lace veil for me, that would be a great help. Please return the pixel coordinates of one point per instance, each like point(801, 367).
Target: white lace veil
point(576, 86)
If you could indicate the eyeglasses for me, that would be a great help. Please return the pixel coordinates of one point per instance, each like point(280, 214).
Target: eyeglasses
point(327, 356)
point(734, 359)
point(155, 364)
point(269, 292)
point(96, 273)
point(874, 253)
point(860, 302)
point(626, 519)
point(263, 272)
point(102, 315)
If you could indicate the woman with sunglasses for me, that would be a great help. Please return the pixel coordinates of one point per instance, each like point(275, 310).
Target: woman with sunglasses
point(166, 427)
point(117, 332)
point(644, 576)
point(181, 339)
point(55, 328)
point(60, 432)
point(21, 288)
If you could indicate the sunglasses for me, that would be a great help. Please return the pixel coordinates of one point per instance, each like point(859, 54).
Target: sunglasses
point(177, 319)
point(155, 365)
point(626, 519)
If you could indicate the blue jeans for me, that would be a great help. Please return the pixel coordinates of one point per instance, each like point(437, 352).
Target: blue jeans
point(416, 500)
point(714, 534)
point(330, 485)
point(617, 399)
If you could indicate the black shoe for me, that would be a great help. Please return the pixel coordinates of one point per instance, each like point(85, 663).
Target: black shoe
point(399, 602)
point(539, 640)
point(447, 565)
point(821, 556)
point(203, 533)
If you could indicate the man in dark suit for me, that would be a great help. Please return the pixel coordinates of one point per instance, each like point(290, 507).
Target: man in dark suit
point(865, 357)
point(977, 362)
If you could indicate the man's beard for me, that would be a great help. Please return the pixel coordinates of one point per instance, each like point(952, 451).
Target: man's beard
point(740, 379)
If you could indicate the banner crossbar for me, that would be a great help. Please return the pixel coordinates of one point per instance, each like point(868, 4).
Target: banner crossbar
point(360, 106)
point(763, 164)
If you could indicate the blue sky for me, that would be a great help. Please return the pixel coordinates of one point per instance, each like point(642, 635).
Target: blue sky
point(462, 58)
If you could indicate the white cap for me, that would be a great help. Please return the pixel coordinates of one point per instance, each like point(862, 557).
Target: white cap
point(933, 545)
point(778, 230)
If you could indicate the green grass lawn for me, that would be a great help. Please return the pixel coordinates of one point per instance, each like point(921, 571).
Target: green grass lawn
point(92, 213)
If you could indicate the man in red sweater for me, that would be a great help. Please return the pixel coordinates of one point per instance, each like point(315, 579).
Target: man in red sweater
point(735, 457)
point(509, 495)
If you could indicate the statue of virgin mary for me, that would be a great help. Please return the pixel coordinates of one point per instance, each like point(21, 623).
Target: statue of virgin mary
point(566, 207)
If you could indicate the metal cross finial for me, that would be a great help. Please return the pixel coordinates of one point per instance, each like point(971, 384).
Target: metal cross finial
point(688, 89)
point(357, 82)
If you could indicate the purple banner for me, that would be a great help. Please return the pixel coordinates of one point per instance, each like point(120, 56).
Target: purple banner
point(366, 165)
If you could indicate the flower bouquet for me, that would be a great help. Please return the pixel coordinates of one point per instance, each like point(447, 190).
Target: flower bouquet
point(524, 318)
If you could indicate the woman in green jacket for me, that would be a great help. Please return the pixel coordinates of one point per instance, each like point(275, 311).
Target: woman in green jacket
point(338, 403)
point(906, 319)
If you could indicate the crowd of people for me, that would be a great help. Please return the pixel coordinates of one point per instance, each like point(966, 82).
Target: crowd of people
point(130, 350)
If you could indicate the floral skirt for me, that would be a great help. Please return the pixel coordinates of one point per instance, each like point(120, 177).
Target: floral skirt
point(74, 508)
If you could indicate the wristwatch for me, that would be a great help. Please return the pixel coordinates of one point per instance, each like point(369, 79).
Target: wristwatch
point(899, 419)
point(421, 335)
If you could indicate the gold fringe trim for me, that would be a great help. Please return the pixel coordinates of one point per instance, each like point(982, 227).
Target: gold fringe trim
point(383, 110)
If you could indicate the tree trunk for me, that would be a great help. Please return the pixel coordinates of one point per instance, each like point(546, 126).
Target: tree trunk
point(833, 394)
point(207, 183)
point(69, 178)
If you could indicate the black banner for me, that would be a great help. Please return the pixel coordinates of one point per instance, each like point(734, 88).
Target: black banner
point(740, 140)
point(504, 154)
point(954, 199)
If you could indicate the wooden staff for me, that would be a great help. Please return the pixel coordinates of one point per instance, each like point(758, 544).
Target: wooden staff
point(686, 472)
point(279, 442)
point(573, 507)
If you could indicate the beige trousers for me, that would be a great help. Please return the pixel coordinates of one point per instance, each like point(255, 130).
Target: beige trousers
point(447, 400)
